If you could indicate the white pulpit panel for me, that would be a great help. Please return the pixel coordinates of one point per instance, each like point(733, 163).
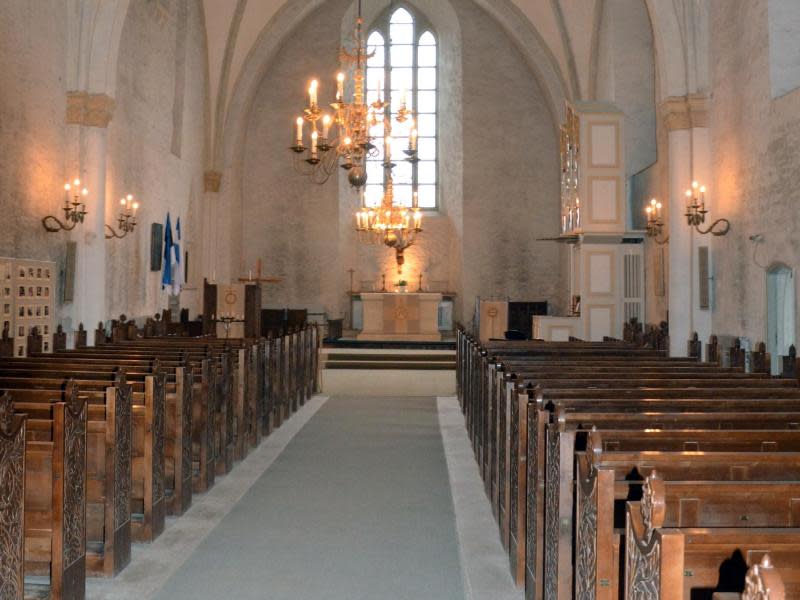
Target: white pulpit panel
point(604, 199)
point(604, 144)
point(600, 322)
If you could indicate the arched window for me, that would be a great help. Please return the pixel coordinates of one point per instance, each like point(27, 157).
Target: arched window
point(403, 67)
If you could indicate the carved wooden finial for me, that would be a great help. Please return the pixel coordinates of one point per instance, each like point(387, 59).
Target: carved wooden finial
point(156, 366)
point(653, 504)
point(100, 325)
point(713, 339)
point(6, 331)
point(122, 318)
point(157, 317)
point(763, 582)
point(792, 351)
point(695, 337)
point(761, 348)
point(6, 415)
point(120, 376)
point(594, 449)
point(59, 330)
point(80, 327)
point(72, 397)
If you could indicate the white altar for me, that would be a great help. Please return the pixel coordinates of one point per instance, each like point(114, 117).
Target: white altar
point(401, 316)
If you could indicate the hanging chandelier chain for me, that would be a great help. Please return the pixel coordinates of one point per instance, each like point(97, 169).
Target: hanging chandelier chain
point(346, 138)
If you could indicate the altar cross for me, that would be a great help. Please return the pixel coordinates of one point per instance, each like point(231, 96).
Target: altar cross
point(258, 276)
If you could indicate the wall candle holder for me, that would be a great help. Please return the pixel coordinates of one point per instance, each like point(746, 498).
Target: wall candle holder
point(126, 222)
point(696, 212)
point(655, 225)
point(74, 212)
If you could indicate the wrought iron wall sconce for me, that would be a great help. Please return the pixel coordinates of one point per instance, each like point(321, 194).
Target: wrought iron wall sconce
point(126, 222)
point(655, 225)
point(74, 211)
point(696, 212)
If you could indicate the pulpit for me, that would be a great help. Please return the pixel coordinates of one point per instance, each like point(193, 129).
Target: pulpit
point(401, 317)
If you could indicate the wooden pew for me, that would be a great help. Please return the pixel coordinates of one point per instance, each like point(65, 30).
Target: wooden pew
point(178, 409)
point(710, 488)
point(551, 447)
point(671, 562)
point(464, 389)
point(144, 451)
point(55, 496)
point(12, 507)
point(211, 434)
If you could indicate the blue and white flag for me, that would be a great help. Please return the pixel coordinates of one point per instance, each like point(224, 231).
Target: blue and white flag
point(166, 273)
point(177, 263)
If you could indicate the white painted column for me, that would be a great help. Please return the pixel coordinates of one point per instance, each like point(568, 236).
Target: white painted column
point(686, 120)
point(701, 153)
point(91, 113)
point(90, 272)
point(680, 243)
point(213, 267)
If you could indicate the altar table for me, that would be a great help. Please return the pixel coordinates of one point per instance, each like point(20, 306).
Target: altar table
point(401, 316)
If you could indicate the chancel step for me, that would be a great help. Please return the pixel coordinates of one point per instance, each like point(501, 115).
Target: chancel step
point(388, 372)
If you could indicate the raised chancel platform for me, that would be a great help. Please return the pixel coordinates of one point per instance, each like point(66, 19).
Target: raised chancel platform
point(393, 369)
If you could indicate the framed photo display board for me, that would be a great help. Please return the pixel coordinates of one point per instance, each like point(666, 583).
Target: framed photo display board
point(26, 300)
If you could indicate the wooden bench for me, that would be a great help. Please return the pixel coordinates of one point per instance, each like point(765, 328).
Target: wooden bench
point(53, 499)
point(146, 424)
point(12, 507)
point(464, 384)
point(711, 490)
point(671, 563)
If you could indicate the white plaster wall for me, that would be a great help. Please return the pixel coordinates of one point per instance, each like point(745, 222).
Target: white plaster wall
point(33, 133)
point(625, 76)
point(156, 142)
point(483, 241)
point(754, 165)
point(511, 173)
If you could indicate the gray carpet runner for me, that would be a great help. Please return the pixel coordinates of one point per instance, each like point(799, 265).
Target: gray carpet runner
point(358, 506)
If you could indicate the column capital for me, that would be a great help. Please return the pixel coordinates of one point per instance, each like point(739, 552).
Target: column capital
point(91, 110)
point(212, 180)
point(684, 112)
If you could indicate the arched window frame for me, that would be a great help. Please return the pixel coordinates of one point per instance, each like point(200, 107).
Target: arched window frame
point(421, 26)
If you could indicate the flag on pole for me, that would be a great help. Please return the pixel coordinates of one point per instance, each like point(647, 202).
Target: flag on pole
point(166, 274)
point(177, 263)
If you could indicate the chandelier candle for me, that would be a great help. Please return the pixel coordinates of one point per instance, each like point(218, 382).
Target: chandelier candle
point(299, 132)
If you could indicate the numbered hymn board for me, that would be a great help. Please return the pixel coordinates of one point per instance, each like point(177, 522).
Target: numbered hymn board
point(26, 295)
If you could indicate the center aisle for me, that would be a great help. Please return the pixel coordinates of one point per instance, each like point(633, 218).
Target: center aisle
point(357, 506)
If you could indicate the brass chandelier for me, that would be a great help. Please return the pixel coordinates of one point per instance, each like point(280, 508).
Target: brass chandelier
point(344, 138)
point(390, 224)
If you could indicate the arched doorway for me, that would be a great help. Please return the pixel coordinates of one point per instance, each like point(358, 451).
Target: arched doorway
point(780, 313)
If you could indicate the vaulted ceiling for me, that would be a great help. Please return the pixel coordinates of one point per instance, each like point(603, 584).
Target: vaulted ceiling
point(565, 29)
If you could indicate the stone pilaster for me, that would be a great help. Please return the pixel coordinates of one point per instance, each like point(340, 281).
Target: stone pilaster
point(686, 120)
point(684, 112)
point(89, 110)
point(92, 114)
point(212, 181)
